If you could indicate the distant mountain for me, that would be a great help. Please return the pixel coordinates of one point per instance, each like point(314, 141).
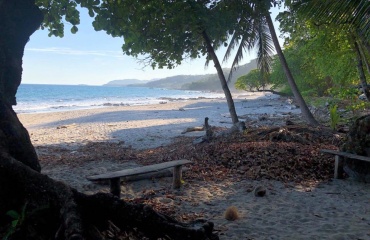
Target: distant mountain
point(125, 82)
point(212, 82)
point(174, 82)
point(206, 82)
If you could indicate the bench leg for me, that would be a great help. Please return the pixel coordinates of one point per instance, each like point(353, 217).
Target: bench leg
point(177, 176)
point(115, 186)
point(338, 170)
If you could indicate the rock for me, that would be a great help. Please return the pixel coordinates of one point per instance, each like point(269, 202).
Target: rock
point(181, 109)
point(260, 191)
point(262, 118)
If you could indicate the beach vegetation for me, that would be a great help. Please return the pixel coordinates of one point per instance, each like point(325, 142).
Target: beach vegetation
point(255, 30)
point(327, 52)
point(254, 80)
point(334, 116)
point(328, 55)
point(17, 220)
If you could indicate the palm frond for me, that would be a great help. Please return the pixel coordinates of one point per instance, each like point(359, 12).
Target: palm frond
point(238, 57)
point(265, 49)
point(248, 39)
point(346, 14)
point(234, 42)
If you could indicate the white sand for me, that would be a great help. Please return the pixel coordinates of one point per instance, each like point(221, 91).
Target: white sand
point(339, 209)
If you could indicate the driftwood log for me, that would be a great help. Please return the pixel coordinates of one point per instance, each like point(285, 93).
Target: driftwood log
point(211, 134)
point(48, 209)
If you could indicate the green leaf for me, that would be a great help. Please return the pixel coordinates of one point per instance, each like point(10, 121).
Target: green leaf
point(74, 29)
point(15, 223)
point(55, 32)
point(13, 214)
point(91, 13)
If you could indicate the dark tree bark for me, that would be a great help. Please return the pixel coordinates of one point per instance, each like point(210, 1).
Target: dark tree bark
point(19, 19)
point(297, 95)
point(221, 76)
point(53, 210)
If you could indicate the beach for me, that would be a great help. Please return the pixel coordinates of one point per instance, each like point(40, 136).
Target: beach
point(146, 126)
point(333, 209)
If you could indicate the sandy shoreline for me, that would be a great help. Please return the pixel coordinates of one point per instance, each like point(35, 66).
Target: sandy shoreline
point(338, 209)
point(145, 126)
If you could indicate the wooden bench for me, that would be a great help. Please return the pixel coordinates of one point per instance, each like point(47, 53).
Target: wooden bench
point(338, 169)
point(115, 177)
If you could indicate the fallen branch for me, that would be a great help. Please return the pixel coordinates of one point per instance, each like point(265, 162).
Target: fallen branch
point(193, 129)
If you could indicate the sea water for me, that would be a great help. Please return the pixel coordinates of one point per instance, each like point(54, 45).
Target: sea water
point(46, 98)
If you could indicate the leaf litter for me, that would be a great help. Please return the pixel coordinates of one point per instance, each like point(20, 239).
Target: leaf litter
point(289, 154)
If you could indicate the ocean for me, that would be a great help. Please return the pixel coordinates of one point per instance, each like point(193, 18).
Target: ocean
point(32, 98)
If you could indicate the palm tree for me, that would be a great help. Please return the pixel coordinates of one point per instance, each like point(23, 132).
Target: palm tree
point(256, 29)
point(221, 76)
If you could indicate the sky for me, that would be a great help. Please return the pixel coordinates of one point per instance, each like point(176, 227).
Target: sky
point(95, 58)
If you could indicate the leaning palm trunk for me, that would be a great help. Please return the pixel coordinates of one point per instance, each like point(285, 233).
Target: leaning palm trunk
point(221, 76)
point(360, 69)
point(302, 104)
point(365, 42)
point(363, 55)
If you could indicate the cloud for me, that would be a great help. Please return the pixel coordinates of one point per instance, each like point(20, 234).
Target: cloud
point(69, 51)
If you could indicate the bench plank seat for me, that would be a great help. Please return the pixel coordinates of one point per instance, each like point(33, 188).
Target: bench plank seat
point(115, 181)
point(347, 155)
point(338, 168)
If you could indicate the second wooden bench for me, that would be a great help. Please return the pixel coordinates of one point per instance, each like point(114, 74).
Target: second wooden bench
point(115, 177)
point(338, 168)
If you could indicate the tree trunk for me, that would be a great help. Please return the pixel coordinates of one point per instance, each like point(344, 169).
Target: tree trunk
point(307, 115)
point(364, 41)
point(221, 76)
point(360, 69)
point(19, 19)
point(363, 55)
point(53, 210)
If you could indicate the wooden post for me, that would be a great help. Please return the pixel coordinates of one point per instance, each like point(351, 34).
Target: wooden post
point(177, 176)
point(338, 170)
point(115, 186)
